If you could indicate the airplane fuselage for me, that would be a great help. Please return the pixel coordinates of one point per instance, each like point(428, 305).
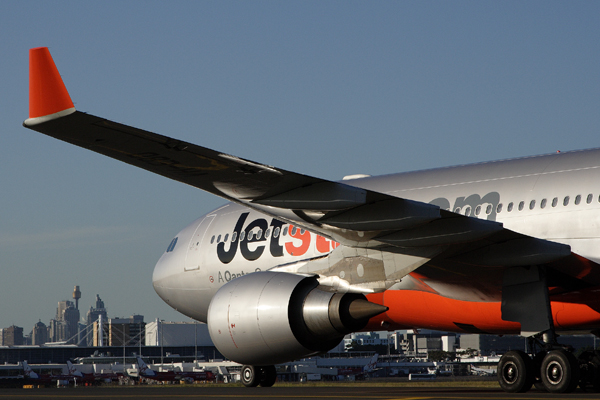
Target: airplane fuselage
point(553, 197)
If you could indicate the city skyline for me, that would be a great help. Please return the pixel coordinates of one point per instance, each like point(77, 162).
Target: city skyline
point(58, 331)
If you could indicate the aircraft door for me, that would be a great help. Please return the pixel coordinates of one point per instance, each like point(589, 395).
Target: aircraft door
point(193, 258)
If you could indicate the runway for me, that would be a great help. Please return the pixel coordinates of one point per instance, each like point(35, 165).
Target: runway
point(280, 393)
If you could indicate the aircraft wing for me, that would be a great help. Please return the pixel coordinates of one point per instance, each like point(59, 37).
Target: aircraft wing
point(347, 214)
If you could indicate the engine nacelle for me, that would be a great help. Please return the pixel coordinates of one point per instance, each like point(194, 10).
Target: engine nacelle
point(267, 318)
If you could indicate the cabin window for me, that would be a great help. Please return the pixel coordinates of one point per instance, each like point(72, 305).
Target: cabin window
point(589, 198)
point(233, 237)
point(577, 199)
point(554, 201)
point(510, 207)
point(457, 210)
point(521, 205)
point(566, 201)
point(226, 238)
point(477, 210)
point(212, 239)
point(543, 203)
point(219, 239)
point(499, 208)
point(284, 231)
point(250, 235)
point(467, 211)
point(276, 232)
point(488, 209)
point(267, 233)
point(293, 233)
point(532, 204)
point(259, 234)
point(242, 236)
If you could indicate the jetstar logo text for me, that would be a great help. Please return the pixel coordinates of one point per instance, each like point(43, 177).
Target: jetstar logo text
point(243, 237)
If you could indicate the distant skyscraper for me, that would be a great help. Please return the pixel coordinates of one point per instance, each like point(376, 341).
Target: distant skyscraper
point(64, 328)
point(39, 334)
point(99, 332)
point(12, 336)
point(92, 317)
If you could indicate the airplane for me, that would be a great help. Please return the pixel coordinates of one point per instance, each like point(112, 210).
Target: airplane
point(483, 371)
point(369, 367)
point(146, 372)
point(372, 364)
point(48, 379)
point(89, 378)
point(292, 263)
point(31, 375)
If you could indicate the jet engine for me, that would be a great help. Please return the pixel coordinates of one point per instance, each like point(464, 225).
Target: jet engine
point(266, 318)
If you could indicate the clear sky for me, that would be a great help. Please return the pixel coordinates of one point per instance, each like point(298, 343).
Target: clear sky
point(325, 88)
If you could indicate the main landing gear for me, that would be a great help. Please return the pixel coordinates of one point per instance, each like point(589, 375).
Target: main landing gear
point(553, 369)
point(525, 299)
point(558, 371)
point(253, 376)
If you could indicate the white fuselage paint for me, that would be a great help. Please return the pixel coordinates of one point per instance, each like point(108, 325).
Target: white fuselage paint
point(188, 276)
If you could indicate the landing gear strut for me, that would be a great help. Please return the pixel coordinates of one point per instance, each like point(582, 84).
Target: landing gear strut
point(264, 376)
point(552, 367)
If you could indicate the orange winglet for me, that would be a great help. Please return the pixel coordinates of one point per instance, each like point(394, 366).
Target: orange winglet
point(47, 92)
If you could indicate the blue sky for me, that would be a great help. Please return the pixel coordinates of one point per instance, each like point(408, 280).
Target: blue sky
point(323, 88)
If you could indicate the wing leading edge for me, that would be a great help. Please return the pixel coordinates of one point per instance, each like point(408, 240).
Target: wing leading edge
point(352, 216)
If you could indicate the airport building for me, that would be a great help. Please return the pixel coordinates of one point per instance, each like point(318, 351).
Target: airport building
point(117, 331)
point(126, 331)
point(161, 333)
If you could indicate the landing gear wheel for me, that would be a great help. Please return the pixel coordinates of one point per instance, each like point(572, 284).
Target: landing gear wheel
point(560, 371)
point(537, 367)
point(515, 372)
point(268, 376)
point(251, 375)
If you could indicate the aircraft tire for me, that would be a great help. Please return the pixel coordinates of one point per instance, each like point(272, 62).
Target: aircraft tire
point(560, 371)
point(268, 376)
point(515, 372)
point(251, 375)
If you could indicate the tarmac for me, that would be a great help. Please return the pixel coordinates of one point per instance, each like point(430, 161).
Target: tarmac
point(297, 392)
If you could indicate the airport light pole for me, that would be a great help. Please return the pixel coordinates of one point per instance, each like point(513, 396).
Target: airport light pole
point(195, 341)
point(161, 343)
